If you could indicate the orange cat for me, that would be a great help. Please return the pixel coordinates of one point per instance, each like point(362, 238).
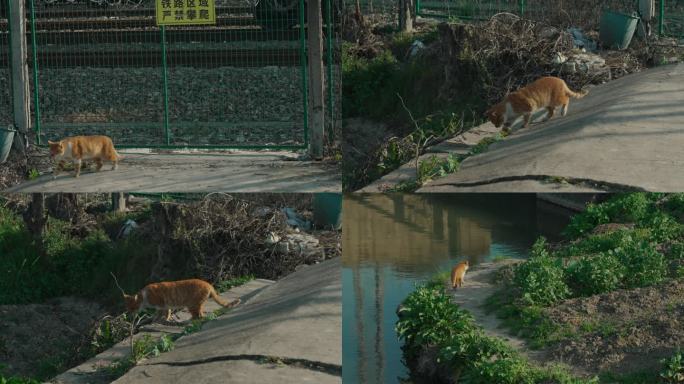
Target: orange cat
point(80, 148)
point(458, 274)
point(547, 92)
point(191, 294)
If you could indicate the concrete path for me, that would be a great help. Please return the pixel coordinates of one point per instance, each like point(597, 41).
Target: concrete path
point(192, 172)
point(479, 285)
point(626, 134)
point(94, 370)
point(291, 332)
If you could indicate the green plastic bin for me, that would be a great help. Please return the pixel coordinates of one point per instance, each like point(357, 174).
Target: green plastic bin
point(327, 210)
point(617, 29)
point(6, 139)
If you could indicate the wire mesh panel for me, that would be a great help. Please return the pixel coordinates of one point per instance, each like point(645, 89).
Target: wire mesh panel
point(379, 12)
point(332, 13)
point(584, 14)
point(105, 67)
point(673, 18)
point(241, 81)
point(98, 71)
point(468, 10)
point(5, 83)
point(579, 13)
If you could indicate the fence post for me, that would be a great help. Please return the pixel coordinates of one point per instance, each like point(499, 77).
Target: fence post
point(118, 202)
point(522, 8)
point(329, 56)
point(21, 95)
point(165, 93)
point(405, 19)
point(315, 61)
point(661, 17)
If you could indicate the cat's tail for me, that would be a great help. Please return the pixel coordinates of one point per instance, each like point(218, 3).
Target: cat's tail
point(576, 95)
point(222, 302)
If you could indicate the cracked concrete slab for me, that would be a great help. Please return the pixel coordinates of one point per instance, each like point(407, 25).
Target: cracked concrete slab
point(628, 132)
point(240, 171)
point(298, 317)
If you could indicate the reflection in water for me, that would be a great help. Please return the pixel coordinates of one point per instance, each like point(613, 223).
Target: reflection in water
point(392, 242)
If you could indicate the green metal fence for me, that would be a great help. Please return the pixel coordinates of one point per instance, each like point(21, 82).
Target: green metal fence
point(672, 18)
point(332, 10)
point(5, 74)
point(580, 13)
point(109, 69)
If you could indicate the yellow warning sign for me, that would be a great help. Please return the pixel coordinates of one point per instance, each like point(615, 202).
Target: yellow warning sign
point(185, 12)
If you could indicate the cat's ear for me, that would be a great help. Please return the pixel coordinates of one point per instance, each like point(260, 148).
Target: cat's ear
point(51, 142)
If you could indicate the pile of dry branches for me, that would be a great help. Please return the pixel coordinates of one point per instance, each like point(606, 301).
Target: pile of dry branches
point(503, 54)
point(222, 237)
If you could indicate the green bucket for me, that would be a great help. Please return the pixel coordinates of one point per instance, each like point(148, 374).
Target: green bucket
point(327, 210)
point(6, 139)
point(617, 29)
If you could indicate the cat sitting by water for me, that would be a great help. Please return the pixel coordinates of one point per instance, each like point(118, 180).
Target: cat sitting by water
point(170, 295)
point(548, 92)
point(80, 148)
point(458, 274)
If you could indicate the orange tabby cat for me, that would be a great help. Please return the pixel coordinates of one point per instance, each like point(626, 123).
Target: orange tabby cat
point(79, 148)
point(458, 274)
point(547, 92)
point(191, 294)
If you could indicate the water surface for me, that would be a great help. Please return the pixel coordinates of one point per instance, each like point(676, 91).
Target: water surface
point(392, 242)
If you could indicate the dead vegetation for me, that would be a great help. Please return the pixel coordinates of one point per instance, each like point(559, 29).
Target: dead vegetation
point(222, 237)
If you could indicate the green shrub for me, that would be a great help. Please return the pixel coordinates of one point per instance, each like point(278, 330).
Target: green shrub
point(663, 227)
point(673, 370)
point(644, 265)
point(674, 205)
point(365, 79)
point(676, 251)
point(63, 264)
point(429, 318)
point(540, 278)
point(17, 380)
point(627, 208)
point(598, 274)
point(604, 242)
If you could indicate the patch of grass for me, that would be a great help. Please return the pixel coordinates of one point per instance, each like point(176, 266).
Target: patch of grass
point(17, 380)
point(63, 264)
point(484, 144)
point(639, 208)
point(643, 377)
point(673, 369)
point(225, 285)
point(428, 319)
point(33, 174)
point(591, 264)
point(435, 167)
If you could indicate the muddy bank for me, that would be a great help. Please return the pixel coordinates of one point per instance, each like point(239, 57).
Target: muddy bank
point(37, 339)
point(623, 331)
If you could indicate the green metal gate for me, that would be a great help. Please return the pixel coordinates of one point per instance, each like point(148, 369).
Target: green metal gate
point(671, 18)
point(108, 69)
point(5, 73)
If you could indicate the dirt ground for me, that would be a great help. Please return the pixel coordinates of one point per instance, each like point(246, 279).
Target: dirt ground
point(638, 328)
point(622, 332)
point(35, 338)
